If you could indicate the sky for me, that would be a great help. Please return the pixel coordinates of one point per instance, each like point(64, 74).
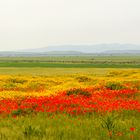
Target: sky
point(26, 24)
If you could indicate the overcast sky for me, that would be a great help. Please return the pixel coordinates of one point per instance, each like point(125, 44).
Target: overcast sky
point(38, 23)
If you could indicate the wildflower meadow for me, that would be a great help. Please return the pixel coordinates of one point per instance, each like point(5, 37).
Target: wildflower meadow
point(71, 107)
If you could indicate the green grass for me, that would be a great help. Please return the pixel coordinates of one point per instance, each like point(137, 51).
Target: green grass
point(74, 59)
point(65, 127)
point(72, 62)
point(60, 65)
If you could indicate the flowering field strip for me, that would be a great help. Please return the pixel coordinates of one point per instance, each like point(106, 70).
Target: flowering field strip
point(23, 94)
point(34, 85)
point(99, 101)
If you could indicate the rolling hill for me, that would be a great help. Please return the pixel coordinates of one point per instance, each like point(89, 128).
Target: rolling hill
point(78, 50)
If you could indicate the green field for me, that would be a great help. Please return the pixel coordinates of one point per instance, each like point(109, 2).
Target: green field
point(59, 127)
point(59, 65)
point(80, 59)
point(72, 62)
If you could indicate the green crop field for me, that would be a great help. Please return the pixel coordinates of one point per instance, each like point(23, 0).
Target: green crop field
point(74, 59)
point(66, 65)
point(72, 62)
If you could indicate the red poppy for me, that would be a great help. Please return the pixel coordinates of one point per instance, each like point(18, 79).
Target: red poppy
point(132, 128)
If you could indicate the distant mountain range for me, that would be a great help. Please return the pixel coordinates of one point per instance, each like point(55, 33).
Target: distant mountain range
point(73, 50)
point(121, 52)
point(99, 48)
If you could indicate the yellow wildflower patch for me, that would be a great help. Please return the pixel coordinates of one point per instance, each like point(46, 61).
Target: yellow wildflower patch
point(42, 85)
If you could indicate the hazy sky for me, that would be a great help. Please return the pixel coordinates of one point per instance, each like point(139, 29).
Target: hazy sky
point(39, 23)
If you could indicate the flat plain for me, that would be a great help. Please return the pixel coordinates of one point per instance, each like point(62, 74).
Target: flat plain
point(70, 98)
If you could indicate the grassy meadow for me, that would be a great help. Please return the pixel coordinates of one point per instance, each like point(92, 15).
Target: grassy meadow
point(70, 98)
point(72, 62)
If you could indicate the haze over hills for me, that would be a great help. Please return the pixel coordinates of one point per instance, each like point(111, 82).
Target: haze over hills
point(100, 49)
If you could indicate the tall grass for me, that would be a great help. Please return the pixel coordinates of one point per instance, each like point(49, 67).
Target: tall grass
point(42, 126)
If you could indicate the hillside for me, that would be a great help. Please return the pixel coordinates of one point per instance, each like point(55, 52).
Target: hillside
point(78, 50)
point(99, 48)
